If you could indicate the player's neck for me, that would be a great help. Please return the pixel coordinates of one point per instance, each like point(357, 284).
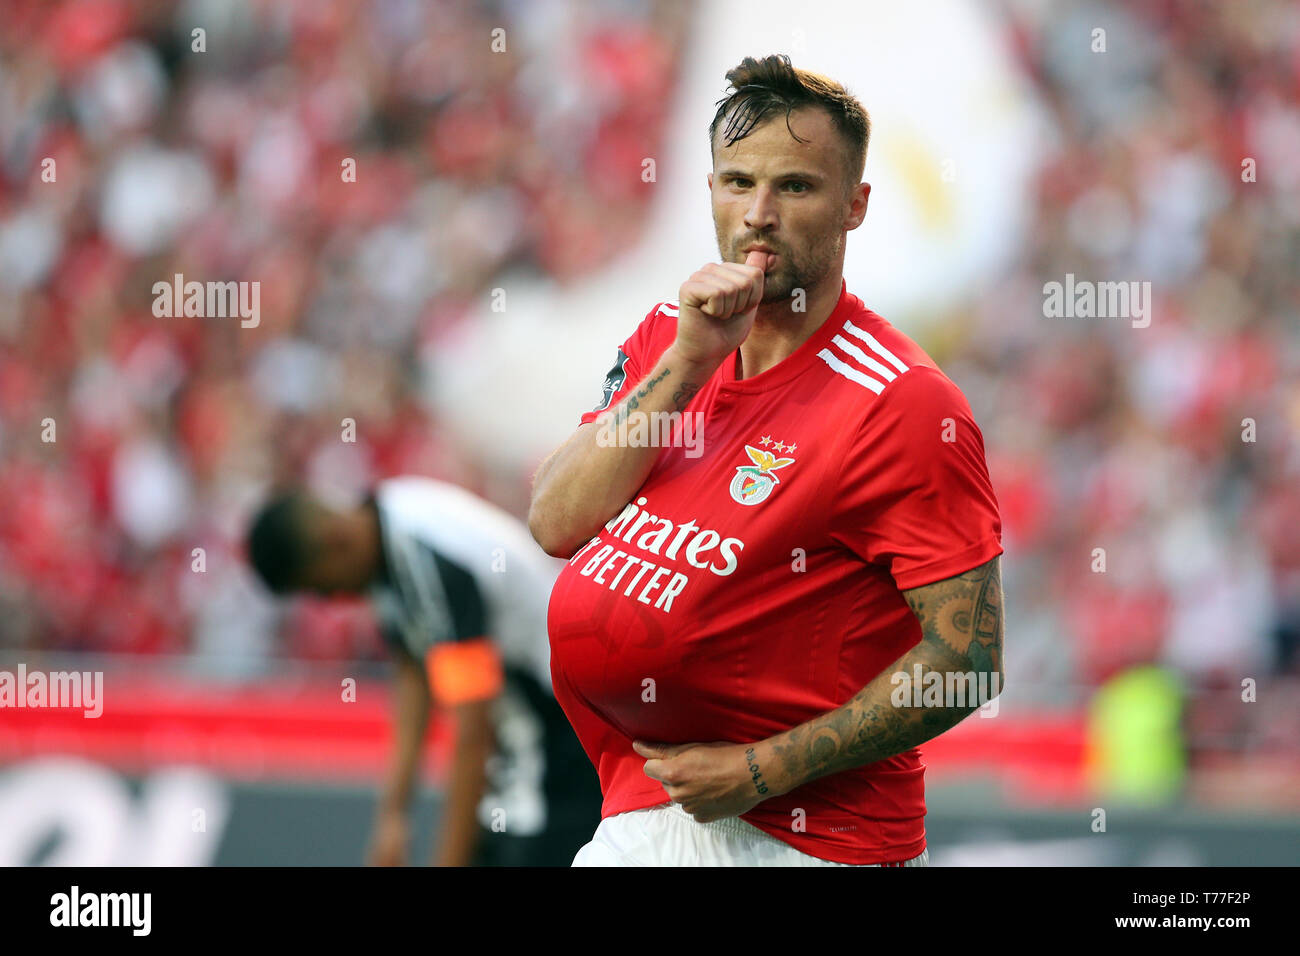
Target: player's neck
point(779, 330)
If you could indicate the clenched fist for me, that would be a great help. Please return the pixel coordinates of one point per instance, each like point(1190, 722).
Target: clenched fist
point(717, 306)
point(711, 781)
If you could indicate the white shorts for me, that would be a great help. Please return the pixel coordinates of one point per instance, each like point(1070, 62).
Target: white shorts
point(667, 835)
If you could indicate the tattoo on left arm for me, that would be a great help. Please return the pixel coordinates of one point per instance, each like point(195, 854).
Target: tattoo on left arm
point(961, 633)
point(755, 774)
point(630, 404)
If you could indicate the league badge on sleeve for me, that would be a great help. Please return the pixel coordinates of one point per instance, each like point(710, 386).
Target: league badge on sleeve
point(753, 483)
point(613, 381)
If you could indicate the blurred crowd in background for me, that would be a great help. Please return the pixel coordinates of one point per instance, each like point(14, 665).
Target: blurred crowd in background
point(225, 165)
point(1171, 453)
point(228, 164)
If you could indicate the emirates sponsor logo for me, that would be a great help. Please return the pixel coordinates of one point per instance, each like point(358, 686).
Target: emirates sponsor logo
point(674, 541)
point(699, 547)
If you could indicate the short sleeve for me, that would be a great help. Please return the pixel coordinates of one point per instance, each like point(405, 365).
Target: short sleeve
point(466, 610)
point(466, 665)
point(635, 358)
point(915, 494)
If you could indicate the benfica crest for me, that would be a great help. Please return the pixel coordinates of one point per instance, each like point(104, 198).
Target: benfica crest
point(753, 483)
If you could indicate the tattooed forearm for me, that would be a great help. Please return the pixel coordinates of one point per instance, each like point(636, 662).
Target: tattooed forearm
point(755, 774)
point(633, 401)
point(964, 615)
point(682, 397)
point(961, 635)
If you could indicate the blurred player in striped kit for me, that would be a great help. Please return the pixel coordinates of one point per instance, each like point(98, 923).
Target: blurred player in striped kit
point(461, 590)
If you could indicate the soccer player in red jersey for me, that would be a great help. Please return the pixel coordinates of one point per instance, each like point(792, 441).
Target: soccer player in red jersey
point(780, 527)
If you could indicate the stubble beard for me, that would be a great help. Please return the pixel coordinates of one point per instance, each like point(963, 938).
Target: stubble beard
point(790, 275)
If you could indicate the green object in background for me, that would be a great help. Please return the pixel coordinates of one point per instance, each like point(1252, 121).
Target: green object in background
point(1135, 741)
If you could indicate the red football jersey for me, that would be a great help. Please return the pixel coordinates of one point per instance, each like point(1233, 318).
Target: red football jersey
point(753, 582)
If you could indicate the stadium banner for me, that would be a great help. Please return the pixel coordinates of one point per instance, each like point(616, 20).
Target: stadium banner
point(179, 771)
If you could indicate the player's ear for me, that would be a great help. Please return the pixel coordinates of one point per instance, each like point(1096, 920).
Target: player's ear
point(710, 180)
point(857, 205)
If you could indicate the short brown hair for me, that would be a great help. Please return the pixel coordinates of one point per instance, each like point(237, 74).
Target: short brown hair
point(763, 87)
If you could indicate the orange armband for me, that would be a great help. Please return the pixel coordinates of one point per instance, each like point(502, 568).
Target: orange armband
point(465, 671)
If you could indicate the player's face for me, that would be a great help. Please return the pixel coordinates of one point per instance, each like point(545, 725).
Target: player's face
point(333, 571)
point(790, 196)
point(327, 579)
